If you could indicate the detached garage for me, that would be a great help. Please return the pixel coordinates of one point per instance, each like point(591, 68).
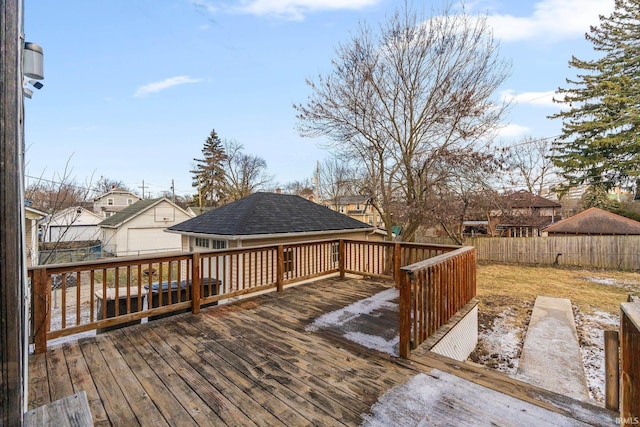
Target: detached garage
point(139, 229)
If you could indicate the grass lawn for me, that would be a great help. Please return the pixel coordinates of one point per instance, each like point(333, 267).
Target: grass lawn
point(503, 285)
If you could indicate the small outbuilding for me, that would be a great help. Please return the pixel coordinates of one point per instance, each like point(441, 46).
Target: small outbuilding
point(139, 229)
point(594, 222)
point(269, 218)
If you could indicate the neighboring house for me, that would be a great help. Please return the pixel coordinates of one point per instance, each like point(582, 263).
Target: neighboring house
point(265, 219)
point(139, 229)
point(113, 201)
point(594, 221)
point(524, 215)
point(356, 207)
point(32, 216)
point(71, 225)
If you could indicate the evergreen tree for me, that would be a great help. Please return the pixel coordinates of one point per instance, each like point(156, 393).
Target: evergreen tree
point(600, 141)
point(208, 172)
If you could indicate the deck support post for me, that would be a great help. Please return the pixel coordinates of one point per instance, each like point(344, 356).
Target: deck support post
point(341, 260)
point(612, 370)
point(630, 363)
point(397, 263)
point(280, 269)
point(405, 314)
point(195, 283)
point(41, 295)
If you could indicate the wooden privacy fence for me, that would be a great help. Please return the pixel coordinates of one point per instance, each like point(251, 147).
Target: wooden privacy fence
point(99, 295)
point(431, 292)
point(611, 252)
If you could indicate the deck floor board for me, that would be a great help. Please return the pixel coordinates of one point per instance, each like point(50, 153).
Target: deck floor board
point(251, 362)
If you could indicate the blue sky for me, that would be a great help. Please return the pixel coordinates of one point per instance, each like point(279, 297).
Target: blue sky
point(133, 88)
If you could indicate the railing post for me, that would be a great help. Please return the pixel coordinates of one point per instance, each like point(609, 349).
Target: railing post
point(341, 260)
point(630, 368)
point(280, 269)
point(397, 261)
point(41, 302)
point(612, 370)
point(195, 283)
point(405, 314)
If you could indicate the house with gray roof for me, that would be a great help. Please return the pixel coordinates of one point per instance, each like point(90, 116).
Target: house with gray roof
point(139, 229)
point(268, 218)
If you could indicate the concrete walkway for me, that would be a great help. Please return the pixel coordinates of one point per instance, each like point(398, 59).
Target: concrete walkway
point(551, 356)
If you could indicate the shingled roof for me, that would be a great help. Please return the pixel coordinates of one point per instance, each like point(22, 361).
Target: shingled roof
point(525, 199)
point(269, 213)
point(595, 221)
point(129, 212)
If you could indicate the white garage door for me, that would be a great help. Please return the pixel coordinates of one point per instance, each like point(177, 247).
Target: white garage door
point(142, 241)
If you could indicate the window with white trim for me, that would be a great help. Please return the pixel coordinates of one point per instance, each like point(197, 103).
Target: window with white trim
point(202, 242)
point(129, 202)
point(110, 201)
point(218, 244)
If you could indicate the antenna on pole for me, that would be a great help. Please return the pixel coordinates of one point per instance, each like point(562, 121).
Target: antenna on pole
point(143, 187)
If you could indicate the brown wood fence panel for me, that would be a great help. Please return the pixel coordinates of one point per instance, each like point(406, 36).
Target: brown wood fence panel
point(610, 252)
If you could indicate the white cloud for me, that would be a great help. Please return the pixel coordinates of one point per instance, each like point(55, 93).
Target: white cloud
point(294, 10)
point(552, 20)
point(164, 84)
point(512, 130)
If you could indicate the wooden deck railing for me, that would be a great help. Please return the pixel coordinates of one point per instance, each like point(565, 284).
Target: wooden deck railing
point(630, 363)
point(78, 297)
point(432, 291)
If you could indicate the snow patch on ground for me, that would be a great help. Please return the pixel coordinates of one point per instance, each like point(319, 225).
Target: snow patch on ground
point(629, 285)
point(590, 328)
point(500, 345)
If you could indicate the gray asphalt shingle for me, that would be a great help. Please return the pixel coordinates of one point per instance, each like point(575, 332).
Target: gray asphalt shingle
point(269, 213)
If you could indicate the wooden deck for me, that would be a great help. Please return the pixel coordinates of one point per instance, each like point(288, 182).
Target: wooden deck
point(253, 363)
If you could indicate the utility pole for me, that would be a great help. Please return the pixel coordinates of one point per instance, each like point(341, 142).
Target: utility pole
point(12, 268)
point(173, 192)
point(143, 187)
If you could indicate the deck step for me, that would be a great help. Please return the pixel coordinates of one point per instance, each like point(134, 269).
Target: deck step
point(551, 356)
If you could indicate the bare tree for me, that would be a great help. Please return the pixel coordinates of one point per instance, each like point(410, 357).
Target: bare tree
point(104, 185)
point(60, 192)
point(302, 188)
point(406, 99)
point(55, 196)
point(529, 164)
point(337, 178)
point(244, 173)
point(466, 195)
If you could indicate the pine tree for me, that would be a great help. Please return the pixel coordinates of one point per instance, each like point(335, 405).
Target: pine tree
point(208, 173)
point(600, 141)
